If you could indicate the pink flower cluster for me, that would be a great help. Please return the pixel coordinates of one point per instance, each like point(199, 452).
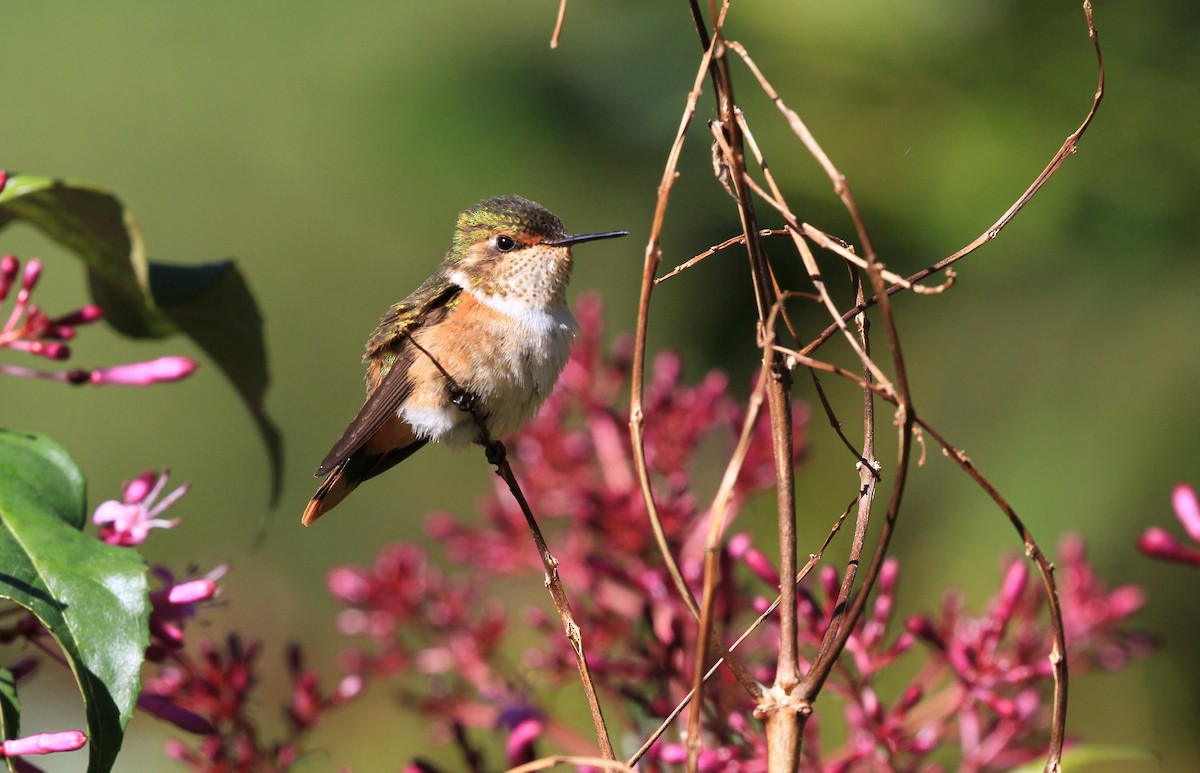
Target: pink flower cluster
point(980, 687)
point(29, 329)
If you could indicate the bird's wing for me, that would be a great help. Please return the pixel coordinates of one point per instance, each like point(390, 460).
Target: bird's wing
point(391, 342)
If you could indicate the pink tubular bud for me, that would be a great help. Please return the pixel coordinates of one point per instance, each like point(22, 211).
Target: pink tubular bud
point(145, 373)
point(755, 560)
point(1157, 542)
point(83, 316)
point(521, 739)
point(3, 179)
point(191, 592)
point(922, 628)
point(8, 274)
point(33, 270)
point(55, 351)
point(43, 743)
point(140, 487)
point(1187, 509)
point(1011, 591)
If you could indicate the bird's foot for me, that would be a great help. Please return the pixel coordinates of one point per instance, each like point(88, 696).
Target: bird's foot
point(496, 453)
point(464, 400)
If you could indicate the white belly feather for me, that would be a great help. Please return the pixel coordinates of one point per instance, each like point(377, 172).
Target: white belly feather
point(521, 374)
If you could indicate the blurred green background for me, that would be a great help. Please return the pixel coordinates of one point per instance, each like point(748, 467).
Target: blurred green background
point(329, 146)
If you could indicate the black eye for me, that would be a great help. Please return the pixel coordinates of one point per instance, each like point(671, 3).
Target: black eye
point(505, 243)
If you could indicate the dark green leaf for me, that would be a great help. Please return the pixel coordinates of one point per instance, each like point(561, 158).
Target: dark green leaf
point(10, 711)
point(212, 304)
point(92, 597)
point(94, 224)
point(39, 460)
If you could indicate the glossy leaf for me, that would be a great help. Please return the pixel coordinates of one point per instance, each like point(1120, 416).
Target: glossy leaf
point(10, 711)
point(90, 596)
point(213, 305)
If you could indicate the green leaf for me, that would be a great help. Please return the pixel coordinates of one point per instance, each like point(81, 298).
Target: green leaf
point(10, 711)
point(92, 597)
point(94, 224)
point(1101, 757)
point(210, 303)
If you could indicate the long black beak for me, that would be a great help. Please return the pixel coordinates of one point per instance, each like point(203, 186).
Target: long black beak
point(567, 241)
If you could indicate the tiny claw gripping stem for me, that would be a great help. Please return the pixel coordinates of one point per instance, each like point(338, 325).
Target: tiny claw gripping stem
point(496, 453)
point(464, 400)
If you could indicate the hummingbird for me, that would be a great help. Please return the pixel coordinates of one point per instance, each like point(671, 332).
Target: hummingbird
point(486, 335)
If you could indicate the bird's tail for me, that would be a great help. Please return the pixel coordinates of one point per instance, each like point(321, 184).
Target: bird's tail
point(335, 488)
point(352, 471)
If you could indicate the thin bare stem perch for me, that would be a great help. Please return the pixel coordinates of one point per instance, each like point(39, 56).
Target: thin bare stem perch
point(653, 258)
point(497, 456)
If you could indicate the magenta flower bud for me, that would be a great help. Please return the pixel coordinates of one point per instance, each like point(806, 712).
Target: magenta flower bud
point(192, 592)
point(162, 370)
point(922, 627)
point(888, 574)
point(520, 741)
point(33, 271)
point(1157, 542)
point(43, 743)
point(3, 179)
point(755, 560)
point(169, 633)
point(55, 351)
point(828, 577)
point(140, 487)
point(1187, 509)
point(83, 316)
point(188, 721)
point(8, 274)
point(1010, 593)
point(912, 694)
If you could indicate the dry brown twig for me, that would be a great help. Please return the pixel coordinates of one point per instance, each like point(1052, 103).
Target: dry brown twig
point(790, 698)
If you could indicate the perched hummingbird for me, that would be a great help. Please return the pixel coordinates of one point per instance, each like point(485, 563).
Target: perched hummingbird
point(488, 333)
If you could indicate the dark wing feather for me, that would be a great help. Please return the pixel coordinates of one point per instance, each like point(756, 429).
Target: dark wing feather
point(423, 307)
point(379, 407)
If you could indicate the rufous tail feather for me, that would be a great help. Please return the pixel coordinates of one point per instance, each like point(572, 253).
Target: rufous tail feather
point(362, 465)
point(335, 488)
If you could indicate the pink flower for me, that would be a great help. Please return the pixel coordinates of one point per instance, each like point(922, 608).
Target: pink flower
point(1157, 542)
point(129, 522)
point(158, 371)
point(43, 743)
